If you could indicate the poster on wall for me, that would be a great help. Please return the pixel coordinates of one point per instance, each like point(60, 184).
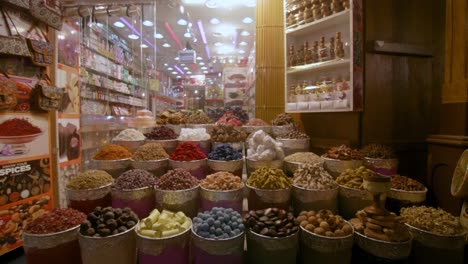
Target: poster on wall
point(68, 79)
point(235, 83)
point(23, 136)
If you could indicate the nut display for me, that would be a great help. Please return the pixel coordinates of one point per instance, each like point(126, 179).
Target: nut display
point(378, 151)
point(269, 178)
point(313, 177)
point(112, 152)
point(272, 222)
point(161, 133)
point(198, 117)
point(163, 224)
point(283, 120)
point(256, 122)
point(108, 221)
point(262, 146)
point(434, 220)
point(150, 151)
point(224, 152)
point(304, 157)
point(293, 134)
point(177, 179)
point(324, 223)
point(227, 133)
point(388, 227)
point(171, 117)
point(353, 178)
point(219, 223)
point(57, 220)
point(129, 134)
point(406, 184)
point(343, 153)
point(229, 119)
point(134, 179)
point(221, 181)
point(90, 179)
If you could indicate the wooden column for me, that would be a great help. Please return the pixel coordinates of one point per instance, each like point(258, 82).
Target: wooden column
point(269, 90)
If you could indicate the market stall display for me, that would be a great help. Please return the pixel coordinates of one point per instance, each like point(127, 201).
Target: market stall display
point(89, 189)
point(189, 156)
point(268, 187)
point(225, 158)
point(282, 124)
point(227, 134)
point(352, 196)
point(151, 157)
point(339, 159)
point(113, 159)
point(164, 136)
point(199, 136)
point(263, 151)
point(130, 139)
point(380, 158)
point(293, 161)
point(255, 124)
point(221, 189)
point(405, 192)
point(294, 141)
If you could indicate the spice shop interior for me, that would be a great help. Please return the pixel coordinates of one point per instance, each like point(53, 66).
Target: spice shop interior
point(240, 131)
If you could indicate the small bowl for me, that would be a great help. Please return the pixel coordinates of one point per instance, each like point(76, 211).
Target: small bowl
point(113, 167)
point(197, 168)
point(19, 139)
point(268, 198)
point(156, 167)
point(233, 166)
point(131, 145)
point(169, 145)
point(383, 249)
point(335, 167)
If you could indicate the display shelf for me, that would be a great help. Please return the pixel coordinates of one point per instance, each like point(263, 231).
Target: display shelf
point(319, 66)
point(111, 59)
point(110, 76)
point(320, 25)
point(111, 101)
point(112, 90)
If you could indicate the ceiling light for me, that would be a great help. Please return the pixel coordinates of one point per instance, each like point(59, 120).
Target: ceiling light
point(201, 63)
point(99, 24)
point(250, 3)
point(165, 64)
point(231, 60)
point(211, 3)
point(245, 33)
point(215, 21)
point(217, 44)
point(176, 58)
point(205, 72)
point(196, 91)
point(158, 36)
point(202, 31)
point(182, 22)
point(182, 9)
point(243, 43)
point(182, 64)
point(241, 51)
point(170, 69)
point(144, 46)
point(186, 68)
point(178, 76)
point(204, 68)
point(174, 72)
point(199, 58)
point(119, 24)
point(148, 23)
point(190, 24)
point(133, 36)
point(166, 45)
point(189, 72)
point(247, 20)
point(61, 36)
point(187, 35)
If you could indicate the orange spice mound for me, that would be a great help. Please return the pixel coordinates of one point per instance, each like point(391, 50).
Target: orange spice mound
point(112, 152)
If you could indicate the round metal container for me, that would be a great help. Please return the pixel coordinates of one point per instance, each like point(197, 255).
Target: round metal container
point(229, 251)
point(197, 168)
point(176, 128)
point(168, 145)
point(233, 166)
point(53, 247)
point(113, 167)
point(174, 249)
point(208, 127)
point(291, 146)
point(156, 167)
point(306, 199)
point(87, 200)
point(252, 165)
point(263, 249)
point(397, 199)
point(336, 167)
point(382, 166)
point(227, 199)
point(261, 199)
point(131, 145)
point(253, 129)
point(239, 146)
point(352, 200)
point(140, 200)
point(280, 130)
point(383, 249)
point(204, 145)
point(323, 249)
point(186, 201)
point(434, 248)
point(290, 167)
point(115, 249)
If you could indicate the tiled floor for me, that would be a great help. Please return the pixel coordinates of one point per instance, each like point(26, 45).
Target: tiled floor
point(13, 257)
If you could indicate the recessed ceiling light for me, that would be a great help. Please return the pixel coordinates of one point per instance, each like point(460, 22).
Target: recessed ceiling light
point(73, 31)
point(144, 46)
point(178, 76)
point(186, 68)
point(231, 60)
point(99, 24)
point(187, 35)
point(119, 24)
point(204, 68)
point(243, 43)
point(61, 36)
point(211, 3)
point(176, 58)
point(217, 44)
point(205, 72)
point(166, 45)
point(182, 22)
point(133, 36)
point(182, 9)
point(148, 23)
point(170, 69)
point(245, 33)
point(199, 58)
point(182, 64)
point(215, 21)
point(158, 36)
point(201, 63)
point(165, 64)
point(241, 51)
point(189, 72)
point(247, 20)
point(174, 72)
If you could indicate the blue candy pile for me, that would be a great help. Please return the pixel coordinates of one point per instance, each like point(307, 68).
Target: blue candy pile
point(225, 152)
point(219, 223)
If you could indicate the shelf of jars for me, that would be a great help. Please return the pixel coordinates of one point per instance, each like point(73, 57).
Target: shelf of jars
point(323, 56)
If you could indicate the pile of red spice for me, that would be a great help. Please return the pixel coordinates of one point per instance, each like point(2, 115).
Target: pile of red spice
point(18, 127)
point(55, 221)
point(187, 151)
